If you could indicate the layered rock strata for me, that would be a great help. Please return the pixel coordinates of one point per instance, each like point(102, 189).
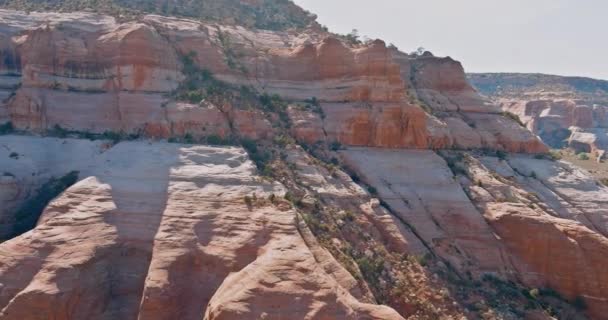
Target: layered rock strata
point(87, 72)
point(171, 235)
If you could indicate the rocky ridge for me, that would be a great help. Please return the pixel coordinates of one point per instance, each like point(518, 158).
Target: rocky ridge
point(381, 185)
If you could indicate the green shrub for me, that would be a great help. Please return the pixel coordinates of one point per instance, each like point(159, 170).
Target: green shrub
point(501, 155)
point(513, 117)
point(371, 268)
point(248, 201)
point(58, 131)
point(313, 102)
point(353, 37)
point(372, 190)
point(272, 103)
point(7, 128)
point(579, 303)
point(112, 136)
point(216, 140)
point(259, 157)
point(284, 140)
point(555, 155)
point(335, 146)
point(188, 138)
point(583, 156)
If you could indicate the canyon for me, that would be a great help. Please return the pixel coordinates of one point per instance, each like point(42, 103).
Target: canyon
point(563, 111)
point(238, 171)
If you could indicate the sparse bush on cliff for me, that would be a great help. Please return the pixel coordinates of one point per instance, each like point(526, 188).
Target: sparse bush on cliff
point(219, 141)
point(27, 215)
point(314, 105)
point(583, 156)
point(501, 155)
point(513, 117)
point(7, 128)
point(336, 146)
point(555, 155)
point(372, 190)
point(257, 155)
point(199, 83)
point(232, 56)
point(371, 268)
point(249, 202)
point(353, 37)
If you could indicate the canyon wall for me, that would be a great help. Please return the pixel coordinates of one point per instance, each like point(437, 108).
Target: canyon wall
point(371, 184)
point(89, 73)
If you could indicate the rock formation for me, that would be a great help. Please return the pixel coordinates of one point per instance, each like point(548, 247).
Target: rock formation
point(89, 73)
point(563, 111)
point(276, 174)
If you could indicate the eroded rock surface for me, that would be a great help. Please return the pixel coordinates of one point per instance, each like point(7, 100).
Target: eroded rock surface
point(168, 236)
point(87, 72)
point(538, 221)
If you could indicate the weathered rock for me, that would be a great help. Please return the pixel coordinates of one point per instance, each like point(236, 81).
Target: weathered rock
point(169, 235)
point(89, 73)
point(419, 187)
point(551, 218)
point(565, 255)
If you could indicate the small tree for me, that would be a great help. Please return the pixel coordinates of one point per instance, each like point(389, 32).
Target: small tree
point(420, 51)
point(353, 37)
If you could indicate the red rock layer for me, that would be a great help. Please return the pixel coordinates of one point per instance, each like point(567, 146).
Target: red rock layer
point(86, 72)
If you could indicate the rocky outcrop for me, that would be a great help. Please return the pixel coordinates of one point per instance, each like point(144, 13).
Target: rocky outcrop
point(565, 122)
point(563, 111)
point(550, 216)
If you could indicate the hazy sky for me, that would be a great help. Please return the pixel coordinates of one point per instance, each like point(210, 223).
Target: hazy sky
point(565, 37)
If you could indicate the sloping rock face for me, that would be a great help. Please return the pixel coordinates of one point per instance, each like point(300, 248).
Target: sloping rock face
point(565, 211)
point(89, 73)
point(536, 221)
point(563, 111)
point(169, 236)
point(464, 118)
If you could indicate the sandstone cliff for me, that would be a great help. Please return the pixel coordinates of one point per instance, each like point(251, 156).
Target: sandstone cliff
point(89, 73)
point(370, 184)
